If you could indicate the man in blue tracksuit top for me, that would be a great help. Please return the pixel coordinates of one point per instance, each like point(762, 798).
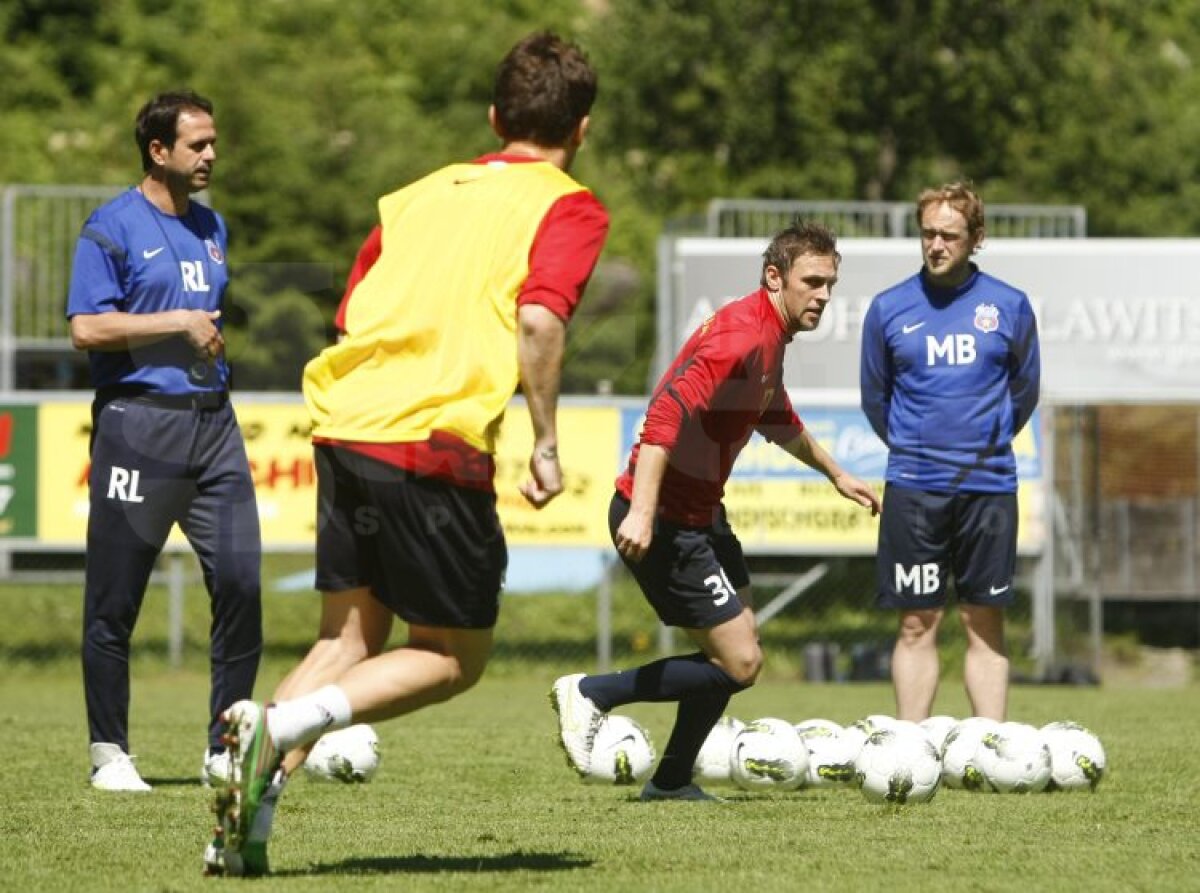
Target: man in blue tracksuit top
point(146, 290)
point(950, 370)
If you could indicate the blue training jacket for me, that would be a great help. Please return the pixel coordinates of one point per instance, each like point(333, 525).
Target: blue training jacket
point(948, 378)
point(133, 258)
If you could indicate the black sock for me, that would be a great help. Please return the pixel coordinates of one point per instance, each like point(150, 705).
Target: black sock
point(669, 679)
point(693, 721)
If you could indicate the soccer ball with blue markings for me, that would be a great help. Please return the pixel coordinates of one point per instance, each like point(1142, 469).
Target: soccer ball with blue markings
point(1077, 758)
point(768, 755)
point(898, 765)
point(622, 752)
point(349, 755)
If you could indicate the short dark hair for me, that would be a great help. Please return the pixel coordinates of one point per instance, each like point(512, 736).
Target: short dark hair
point(158, 120)
point(959, 195)
point(544, 88)
point(802, 237)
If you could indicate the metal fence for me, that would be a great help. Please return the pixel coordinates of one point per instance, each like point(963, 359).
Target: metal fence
point(39, 226)
point(1112, 544)
point(765, 217)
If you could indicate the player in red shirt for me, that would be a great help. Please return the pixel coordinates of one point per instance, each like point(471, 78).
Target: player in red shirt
point(669, 525)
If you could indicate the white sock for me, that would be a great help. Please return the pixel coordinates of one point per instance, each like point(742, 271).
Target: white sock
point(306, 718)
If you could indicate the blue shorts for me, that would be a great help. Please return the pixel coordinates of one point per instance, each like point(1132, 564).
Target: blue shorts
point(690, 575)
point(432, 552)
point(924, 538)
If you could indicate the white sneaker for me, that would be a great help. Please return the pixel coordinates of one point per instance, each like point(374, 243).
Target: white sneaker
point(688, 792)
point(578, 721)
point(216, 768)
point(113, 769)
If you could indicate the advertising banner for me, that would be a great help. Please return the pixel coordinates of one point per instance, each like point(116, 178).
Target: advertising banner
point(1105, 336)
point(277, 445)
point(589, 441)
point(62, 471)
point(279, 448)
point(18, 470)
point(779, 506)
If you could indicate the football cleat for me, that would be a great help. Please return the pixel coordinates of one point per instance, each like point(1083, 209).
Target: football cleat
point(578, 721)
point(245, 807)
point(688, 792)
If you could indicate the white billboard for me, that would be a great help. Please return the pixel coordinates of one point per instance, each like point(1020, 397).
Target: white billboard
point(1119, 318)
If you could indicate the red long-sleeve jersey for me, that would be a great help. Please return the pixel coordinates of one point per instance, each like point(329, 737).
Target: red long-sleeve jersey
point(725, 383)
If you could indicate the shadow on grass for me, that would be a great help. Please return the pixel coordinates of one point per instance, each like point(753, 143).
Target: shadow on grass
point(421, 864)
point(191, 781)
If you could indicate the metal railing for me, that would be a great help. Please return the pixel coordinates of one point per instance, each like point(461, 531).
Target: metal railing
point(39, 226)
point(764, 217)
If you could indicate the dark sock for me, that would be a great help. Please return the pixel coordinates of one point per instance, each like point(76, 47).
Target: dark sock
point(669, 679)
point(693, 721)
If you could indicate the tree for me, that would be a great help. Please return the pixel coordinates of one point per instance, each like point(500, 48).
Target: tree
point(324, 105)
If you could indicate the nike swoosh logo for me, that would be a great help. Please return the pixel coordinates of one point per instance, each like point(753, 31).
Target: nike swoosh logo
point(908, 330)
point(996, 590)
point(147, 254)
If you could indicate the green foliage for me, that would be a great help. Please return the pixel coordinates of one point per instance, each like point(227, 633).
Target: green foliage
point(324, 105)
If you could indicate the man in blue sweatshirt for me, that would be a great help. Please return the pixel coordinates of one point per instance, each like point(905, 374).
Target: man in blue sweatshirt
point(950, 370)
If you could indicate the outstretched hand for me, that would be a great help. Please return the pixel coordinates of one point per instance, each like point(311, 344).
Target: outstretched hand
point(858, 491)
point(545, 477)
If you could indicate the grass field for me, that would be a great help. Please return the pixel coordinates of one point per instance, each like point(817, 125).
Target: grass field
point(475, 795)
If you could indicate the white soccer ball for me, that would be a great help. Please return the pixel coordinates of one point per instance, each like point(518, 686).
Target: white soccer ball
point(898, 765)
point(857, 733)
point(349, 755)
point(937, 728)
point(713, 760)
point(818, 725)
point(768, 755)
point(1077, 758)
point(830, 755)
point(622, 752)
point(1014, 758)
point(960, 768)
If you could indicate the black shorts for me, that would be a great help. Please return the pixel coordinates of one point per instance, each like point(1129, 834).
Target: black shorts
point(690, 575)
point(432, 552)
point(925, 537)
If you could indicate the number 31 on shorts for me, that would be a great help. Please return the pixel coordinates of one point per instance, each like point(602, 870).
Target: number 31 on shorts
point(721, 587)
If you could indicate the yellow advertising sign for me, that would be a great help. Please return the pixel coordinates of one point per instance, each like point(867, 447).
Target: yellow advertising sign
point(62, 489)
point(588, 443)
point(775, 504)
point(277, 445)
point(779, 506)
point(810, 517)
point(280, 453)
